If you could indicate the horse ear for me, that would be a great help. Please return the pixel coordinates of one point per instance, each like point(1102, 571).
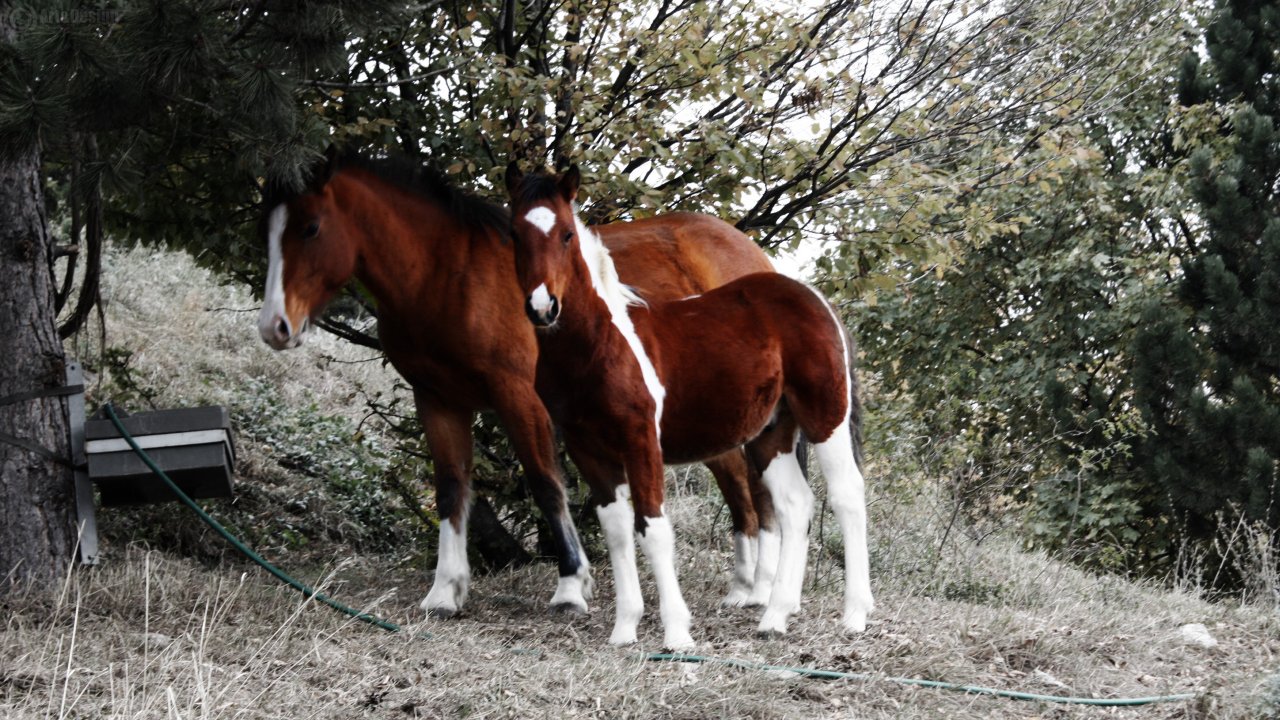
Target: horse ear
point(330, 162)
point(513, 177)
point(569, 183)
point(324, 171)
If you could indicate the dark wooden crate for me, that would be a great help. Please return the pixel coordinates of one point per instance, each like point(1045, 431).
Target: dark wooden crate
point(192, 445)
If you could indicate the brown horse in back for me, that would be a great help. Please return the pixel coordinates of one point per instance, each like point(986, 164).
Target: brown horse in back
point(439, 264)
point(632, 384)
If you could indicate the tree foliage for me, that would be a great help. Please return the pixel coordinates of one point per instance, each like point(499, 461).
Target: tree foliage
point(993, 181)
point(1011, 345)
point(174, 111)
point(1207, 362)
point(1107, 358)
point(793, 119)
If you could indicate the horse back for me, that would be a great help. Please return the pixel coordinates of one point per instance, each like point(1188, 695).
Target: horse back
point(676, 255)
point(727, 357)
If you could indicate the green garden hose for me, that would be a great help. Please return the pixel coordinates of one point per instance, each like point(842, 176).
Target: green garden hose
point(235, 542)
point(969, 689)
point(654, 657)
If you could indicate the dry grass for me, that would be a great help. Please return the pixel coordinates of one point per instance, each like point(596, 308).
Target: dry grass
point(157, 636)
point(151, 634)
point(194, 340)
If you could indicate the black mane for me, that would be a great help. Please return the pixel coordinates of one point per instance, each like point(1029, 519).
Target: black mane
point(412, 175)
point(537, 186)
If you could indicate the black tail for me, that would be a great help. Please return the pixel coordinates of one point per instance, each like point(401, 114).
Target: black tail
point(855, 412)
point(802, 455)
point(855, 398)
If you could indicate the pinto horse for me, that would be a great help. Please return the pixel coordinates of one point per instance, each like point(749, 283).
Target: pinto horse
point(438, 262)
point(633, 384)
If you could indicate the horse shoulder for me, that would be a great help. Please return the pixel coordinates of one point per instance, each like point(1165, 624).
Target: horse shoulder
point(646, 259)
point(672, 256)
point(730, 248)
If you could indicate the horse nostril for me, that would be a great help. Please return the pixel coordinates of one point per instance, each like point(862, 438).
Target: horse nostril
point(534, 316)
point(544, 317)
point(282, 328)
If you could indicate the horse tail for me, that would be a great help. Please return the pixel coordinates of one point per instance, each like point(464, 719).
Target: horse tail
point(802, 454)
point(855, 389)
point(855, 410)
point(849, 353)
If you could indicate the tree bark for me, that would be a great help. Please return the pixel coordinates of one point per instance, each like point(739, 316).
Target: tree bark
point(497, 548)
point(37, 493)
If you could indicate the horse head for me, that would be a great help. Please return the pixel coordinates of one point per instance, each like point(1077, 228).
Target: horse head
point(545, 231)
point(311, 255)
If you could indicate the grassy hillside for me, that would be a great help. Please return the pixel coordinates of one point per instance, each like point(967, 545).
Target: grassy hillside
point(171, 625)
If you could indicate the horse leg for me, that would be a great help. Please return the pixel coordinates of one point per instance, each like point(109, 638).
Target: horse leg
point(616, 522)
point(778, 438)
point(529, 428)
point(609, 491)
point(731, 471)
point(828, 418)
point(774, 450)
point(846, 489)
point(646, 477)
point(448, 435)
point(768, 539)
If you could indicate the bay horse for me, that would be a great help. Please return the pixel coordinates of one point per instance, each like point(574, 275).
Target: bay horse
point(438, 262)
point(633, 384)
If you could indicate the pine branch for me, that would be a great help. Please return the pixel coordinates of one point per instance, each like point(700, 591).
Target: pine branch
point(89, 295)
point(348, 333)
point(250, 20)
point(328, 84)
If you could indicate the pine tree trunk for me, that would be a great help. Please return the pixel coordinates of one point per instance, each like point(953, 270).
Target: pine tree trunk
point(37, 497)
point(496, 546)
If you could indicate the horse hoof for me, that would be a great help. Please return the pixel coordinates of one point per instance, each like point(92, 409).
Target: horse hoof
point(569, 610)
point(680, 645)
point(855, 623)
point(772, 625)
point(622, 639)
point(441, 613)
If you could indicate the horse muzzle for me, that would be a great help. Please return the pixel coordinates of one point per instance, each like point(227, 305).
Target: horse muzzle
point(542, 308)
point(277, 331)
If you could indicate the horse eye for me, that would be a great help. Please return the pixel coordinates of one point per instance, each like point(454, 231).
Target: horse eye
point(311, 230)
point(568, 235)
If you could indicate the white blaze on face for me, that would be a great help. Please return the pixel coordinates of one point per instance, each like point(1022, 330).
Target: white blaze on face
point(273, 295)
point(541, 218)
point(540, 300)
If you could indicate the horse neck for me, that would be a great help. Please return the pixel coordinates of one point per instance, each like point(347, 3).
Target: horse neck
point(601, 301)
point(406, 240)
point(603, 274)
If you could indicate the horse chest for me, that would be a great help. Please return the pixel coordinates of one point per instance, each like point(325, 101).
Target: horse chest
point(441, 374)
point(580, 387)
